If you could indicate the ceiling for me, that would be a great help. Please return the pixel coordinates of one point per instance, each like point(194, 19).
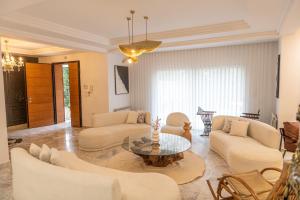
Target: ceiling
point(99, 25)
point(31, 48)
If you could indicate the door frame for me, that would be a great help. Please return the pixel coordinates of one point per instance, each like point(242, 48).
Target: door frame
point(79, 89)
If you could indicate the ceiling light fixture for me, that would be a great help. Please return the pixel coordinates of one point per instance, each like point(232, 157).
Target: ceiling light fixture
point(134, 49)
point(9, 63)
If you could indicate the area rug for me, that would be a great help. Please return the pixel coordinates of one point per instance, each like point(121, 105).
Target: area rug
point(182, 171)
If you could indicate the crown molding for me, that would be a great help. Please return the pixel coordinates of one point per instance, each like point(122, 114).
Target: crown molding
point(229, 38)
point(187, 32)
point(14, 5)
point(284, 14)
point(15, 32)
point(48, 51)
point(217, 41)
point(56, 28)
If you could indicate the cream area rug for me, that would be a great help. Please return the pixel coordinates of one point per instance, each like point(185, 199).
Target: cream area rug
point(182, 171)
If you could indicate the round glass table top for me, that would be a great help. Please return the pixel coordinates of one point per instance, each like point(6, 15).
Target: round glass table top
point(169, 144)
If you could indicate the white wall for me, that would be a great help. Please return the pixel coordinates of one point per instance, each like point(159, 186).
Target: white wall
point(3, 130)
point(115, 101)
point(93, 72)
point(289, 98)
point(291, 22)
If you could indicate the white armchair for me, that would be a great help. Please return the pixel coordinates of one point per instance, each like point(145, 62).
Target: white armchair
point(174, 123)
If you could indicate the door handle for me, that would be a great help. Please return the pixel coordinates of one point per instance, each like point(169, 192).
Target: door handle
point(29, 99)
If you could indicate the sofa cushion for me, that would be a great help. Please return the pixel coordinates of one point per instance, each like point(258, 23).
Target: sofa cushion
point(132, 117)
point(109, 119)
point(227, 125)
point(141, 117)
point(35, 150)
point(45, 153)
point(239, 128)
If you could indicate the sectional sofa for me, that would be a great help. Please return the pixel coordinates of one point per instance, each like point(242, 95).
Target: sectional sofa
point(110, 129)
point(258, 150)
point(70, 178)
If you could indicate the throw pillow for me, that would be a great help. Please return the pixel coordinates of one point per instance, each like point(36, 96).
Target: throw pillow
point(239, 128)
point(132, 117)
point(227, 125)
point(64, 159)
point(55, 158)
point(45, 153)
point(141, 117)
point(35, 150)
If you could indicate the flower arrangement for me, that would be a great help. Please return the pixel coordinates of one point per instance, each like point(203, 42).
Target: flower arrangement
point(156, 124)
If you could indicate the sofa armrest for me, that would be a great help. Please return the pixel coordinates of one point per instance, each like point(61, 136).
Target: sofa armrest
point(148, 118)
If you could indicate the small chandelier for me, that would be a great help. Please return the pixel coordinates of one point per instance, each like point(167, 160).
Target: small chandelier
point(9, 63)
point(134, 49)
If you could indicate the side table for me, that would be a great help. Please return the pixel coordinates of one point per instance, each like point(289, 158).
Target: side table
point(206, 117)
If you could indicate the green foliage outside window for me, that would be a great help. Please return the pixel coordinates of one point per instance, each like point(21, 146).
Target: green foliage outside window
point(66, 86)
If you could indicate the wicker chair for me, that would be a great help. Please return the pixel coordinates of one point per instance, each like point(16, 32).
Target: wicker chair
point(252, 185)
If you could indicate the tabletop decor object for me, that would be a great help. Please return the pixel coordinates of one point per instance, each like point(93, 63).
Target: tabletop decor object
point(187, 131)
point(155, 133)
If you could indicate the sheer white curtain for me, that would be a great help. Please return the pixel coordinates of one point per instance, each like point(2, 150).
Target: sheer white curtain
point(229, 80)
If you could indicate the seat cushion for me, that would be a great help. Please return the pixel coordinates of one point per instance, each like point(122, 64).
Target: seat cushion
point(254, 179)
point(94, 139)
point(244, 154)
point(177, 130)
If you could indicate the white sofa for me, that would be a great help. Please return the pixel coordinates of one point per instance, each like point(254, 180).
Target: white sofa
point(110, 129)
point(75, 179)
point(174, 123)
point(258, 150)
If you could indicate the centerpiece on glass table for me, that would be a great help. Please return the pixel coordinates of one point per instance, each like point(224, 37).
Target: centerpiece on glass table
point(155, 133)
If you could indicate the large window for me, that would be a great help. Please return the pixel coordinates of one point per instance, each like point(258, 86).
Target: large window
point(229, 80)
point(214, 88)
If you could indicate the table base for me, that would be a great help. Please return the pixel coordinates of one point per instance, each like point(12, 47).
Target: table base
point(161, 161)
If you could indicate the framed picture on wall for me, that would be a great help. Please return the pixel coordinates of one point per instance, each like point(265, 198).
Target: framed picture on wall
point(278, 77)
point(121, 80)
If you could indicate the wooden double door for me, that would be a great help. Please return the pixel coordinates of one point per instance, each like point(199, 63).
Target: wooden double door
point(45, 94)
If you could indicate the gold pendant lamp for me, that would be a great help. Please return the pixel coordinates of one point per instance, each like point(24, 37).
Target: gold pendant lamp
point(134, 49)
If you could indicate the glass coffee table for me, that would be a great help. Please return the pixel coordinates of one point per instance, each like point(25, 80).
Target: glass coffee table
point(169, 150)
